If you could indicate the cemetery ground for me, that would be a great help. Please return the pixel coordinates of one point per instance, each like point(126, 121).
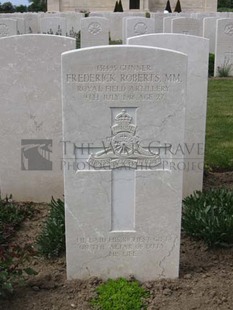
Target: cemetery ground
point(206, 277)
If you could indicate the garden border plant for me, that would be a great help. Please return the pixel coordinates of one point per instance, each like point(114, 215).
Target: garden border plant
point(51, 241)
point(208, 216)
point(13, 256)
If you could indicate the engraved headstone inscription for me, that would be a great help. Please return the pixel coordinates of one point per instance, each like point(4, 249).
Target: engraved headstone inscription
point(123, 116)
point(187, 25)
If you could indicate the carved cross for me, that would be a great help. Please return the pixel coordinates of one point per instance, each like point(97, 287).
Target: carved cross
point(123, 155)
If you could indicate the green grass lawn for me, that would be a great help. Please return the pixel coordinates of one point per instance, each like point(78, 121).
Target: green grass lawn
point(219, 126)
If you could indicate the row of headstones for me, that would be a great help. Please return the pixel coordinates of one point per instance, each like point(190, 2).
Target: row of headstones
point(133, 143)
point(95, 30)
point(66, 24)
point(70, 23)
point(219, 31)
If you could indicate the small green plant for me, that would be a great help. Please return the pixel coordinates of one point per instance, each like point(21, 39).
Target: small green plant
point(115, 42)
point(120, 294)
point(225, 69)
point(147, 14)
point(13, 256)
point(209, 216)
point(211, 64)
point(51, 241)
point(11, 216)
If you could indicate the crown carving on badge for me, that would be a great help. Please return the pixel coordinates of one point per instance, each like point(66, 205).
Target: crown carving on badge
point(123, 123)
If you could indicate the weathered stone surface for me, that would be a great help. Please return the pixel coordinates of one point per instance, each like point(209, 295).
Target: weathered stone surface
point(185, 25)
point(195, 117)
point(123, 116)
point(30, 118)
point(224, 46)
point(94, 31)
point(53, 25)
point(209, 31)
point(8, 27)
point(135, 26)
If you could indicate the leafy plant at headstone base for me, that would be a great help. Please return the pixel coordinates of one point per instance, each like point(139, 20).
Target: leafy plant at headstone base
point(120, 294)
point(147, 14)
point(178, 7)
point(211, 64)
point(51, 241)
point(78, 40)
point(12, 256)
point(115, 42)
point(11, 216)
point(225, 69)
point(168, 7)
point(209, 216)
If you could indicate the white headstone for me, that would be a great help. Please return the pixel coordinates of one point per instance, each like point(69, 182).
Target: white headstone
point(224, 45)
point(167, 24)
point(158, 18)
point(21, 29)
point(32, 23)
point(8, 27)
point(30, 118)
point(134, 26)
point(73, 23)
point(209, 31)
point(187, 25)
point(195, 117)
point(94, 31)
point(53, 25)
point(121, 104)
point(116, 26)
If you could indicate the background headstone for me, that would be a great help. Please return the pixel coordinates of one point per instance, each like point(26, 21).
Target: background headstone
point(209, 31)
point(21, 29)
point(195, 116)
point(73, 23)
point(30, 118)
point(224, 45)
point(134, 26)
point(32, 23)
point(185, 25)
point(53, 25)
point(167, 24)
point(94, 31)
point(8, 27)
